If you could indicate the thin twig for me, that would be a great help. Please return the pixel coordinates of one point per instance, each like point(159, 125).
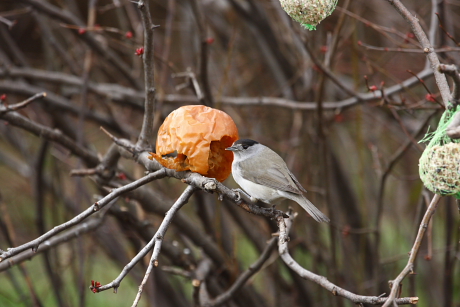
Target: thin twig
point(59, 102)
point(89, 38)
point(405, 50)
point(8, 22)
point(244, 277)
point(389, 167)
point(120, 142)
point(16, 119)
point(77, 231)
point(191, 80)
point(34, 244)
point(426, 88)
point(22, 104)
point(147, 133)
point(413, 253)
point(445, 31)
point(155, 243)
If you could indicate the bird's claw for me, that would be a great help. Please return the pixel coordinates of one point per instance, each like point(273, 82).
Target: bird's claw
point(238, 195)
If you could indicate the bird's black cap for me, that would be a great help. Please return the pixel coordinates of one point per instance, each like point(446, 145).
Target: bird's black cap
point(247, 142)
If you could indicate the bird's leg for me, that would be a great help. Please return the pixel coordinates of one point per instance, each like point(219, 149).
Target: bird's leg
point(239, 192)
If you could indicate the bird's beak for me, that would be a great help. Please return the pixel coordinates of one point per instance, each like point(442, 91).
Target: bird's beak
point(231, 148)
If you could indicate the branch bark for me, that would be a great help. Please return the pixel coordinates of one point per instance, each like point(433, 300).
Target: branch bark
point(421, 36)
point(284, 227)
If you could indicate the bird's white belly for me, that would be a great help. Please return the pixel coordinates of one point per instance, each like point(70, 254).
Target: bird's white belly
point(263, 193)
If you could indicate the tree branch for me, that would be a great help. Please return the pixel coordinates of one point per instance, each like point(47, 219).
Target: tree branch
point(413, 253)
point(244, 277)
point(122, 94)
point(427, 48)
point(284, 227)
point(20, 105)
point(34, 244)
point(155, 243)
point(147, 134)
point(79, 230)
point(16, 119)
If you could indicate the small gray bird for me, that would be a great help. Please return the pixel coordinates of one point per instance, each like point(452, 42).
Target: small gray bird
point(264, 175)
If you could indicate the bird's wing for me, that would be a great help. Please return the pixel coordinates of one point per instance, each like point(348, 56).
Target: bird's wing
point(297, 183)
point(267, 175)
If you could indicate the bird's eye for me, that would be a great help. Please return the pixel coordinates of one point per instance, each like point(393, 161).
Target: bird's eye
point(245, 146)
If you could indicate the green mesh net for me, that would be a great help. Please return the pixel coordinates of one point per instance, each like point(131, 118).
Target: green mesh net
point(439, 165)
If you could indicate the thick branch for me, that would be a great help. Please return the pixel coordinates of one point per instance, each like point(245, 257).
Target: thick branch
point(125, 95)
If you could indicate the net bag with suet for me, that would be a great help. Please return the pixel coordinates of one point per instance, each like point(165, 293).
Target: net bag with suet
point(439, 165)
point(309, 13)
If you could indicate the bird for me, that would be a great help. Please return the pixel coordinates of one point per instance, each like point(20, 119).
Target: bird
point(264, 175)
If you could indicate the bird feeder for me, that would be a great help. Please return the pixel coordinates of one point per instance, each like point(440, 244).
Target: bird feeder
point(194, 138)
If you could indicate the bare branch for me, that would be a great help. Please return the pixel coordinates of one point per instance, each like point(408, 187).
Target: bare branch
point(453, 130)
point(413, 253)
point(244, 277)
point(204, 52)
point(284, 227)
point(34, 244)
point(125, 95)
point(452, 71)
point(406, 50)
point(88, 37)
point(22, 104)
point(8, 22)
point(54, 135)
point(147, 133)
point(77, 231)
point(155, 243)
point(427, 48)
point(59, 102)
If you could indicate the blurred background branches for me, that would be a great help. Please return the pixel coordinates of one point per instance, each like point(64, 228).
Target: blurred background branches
point(344, 105)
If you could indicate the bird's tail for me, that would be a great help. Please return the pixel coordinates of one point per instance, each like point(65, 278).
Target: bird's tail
point(312, 210)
